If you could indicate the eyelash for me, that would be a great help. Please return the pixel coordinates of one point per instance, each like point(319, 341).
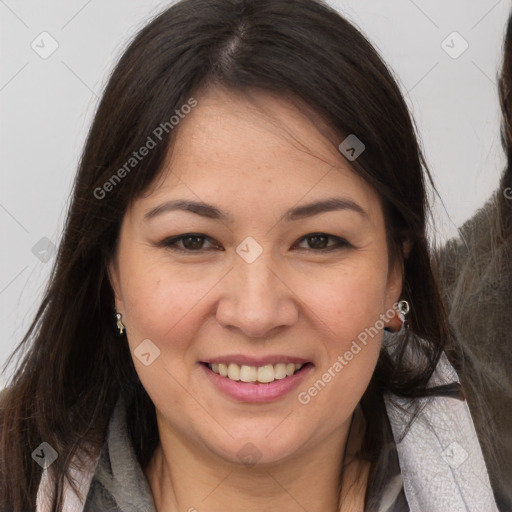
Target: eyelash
point(170, 243)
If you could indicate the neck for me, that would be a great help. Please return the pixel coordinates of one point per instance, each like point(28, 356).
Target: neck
point(183, 477)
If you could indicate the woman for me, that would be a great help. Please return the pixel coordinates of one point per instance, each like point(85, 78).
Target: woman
point(248, 218)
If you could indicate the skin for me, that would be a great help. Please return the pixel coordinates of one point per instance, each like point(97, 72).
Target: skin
point(296, 299)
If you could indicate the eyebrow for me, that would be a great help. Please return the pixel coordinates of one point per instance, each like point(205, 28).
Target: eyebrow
point(297, 213)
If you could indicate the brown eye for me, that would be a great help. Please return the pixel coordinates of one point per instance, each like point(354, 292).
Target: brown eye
point(193, 242)
point(320, 242)
point(188, 242)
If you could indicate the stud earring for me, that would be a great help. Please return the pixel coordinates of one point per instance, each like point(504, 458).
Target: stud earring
point(119, 324)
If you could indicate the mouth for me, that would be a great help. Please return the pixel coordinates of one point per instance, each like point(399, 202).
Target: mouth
point(264, 374)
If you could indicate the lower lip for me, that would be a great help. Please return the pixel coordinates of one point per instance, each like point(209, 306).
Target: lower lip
point(253, 392)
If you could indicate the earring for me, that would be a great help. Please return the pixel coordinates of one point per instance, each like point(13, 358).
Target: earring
point(120, 325)
point(403, 309)
point(399, 321)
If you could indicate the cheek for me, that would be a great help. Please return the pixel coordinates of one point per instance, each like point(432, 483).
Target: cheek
point(347, 311)
point(349, 302)
point(157, 298)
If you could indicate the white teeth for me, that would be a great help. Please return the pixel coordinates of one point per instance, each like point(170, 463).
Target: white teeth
point(223, 370)
point(248, 373)
point(233, 371)
point(264, 374)
point(280, 371)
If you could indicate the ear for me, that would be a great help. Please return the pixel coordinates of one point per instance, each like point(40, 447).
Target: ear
point(395, 282)
point(113, 276)
point(393, 293)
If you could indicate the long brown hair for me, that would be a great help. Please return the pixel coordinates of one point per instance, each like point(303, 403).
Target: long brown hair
point(75, 366)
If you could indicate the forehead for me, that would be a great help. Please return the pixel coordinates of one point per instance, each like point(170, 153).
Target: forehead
point(253, 129)
point(251, 149)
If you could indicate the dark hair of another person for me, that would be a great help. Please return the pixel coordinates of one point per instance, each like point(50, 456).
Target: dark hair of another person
point(505, 95)
point(74, 367)
point(475, 270)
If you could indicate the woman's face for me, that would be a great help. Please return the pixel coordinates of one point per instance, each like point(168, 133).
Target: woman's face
point(252, 285)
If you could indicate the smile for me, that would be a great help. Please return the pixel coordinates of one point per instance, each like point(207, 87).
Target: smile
point(263, 383)
point(261, 374)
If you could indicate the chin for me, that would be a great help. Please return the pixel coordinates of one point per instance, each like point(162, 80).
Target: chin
point(266, 448)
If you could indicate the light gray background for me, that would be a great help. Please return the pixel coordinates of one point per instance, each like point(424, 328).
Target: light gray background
point(48, 104)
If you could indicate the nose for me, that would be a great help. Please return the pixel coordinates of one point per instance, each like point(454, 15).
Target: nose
point(256, 299)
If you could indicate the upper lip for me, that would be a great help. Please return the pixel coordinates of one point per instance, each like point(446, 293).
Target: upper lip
point(255, 361)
